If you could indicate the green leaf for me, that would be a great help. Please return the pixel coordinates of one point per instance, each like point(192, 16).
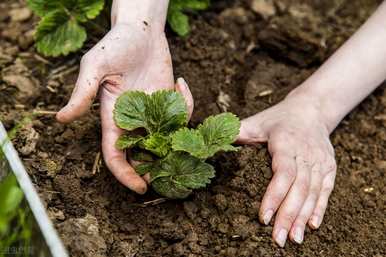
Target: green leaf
point(42, 7)
point(195, 4)
point(179, 22)
point(166, 111)
point(145, 167)
point(188, 5)
point(157, 144)
point(162, 112)
point(89, 9)
point(10, 195)
point(141, 156)
point(189, 140)
point(129, 111)
point(82, 10)
point(166, 187)
point(126, 141)
point(58, 34)
point(221, 129)
point(217, 133)
point(178, 173)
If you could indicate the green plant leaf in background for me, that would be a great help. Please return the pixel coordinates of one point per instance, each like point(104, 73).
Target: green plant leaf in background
point(88, 9)
point(217, 133)
point(178, 20)
point(64, 34)
point(60, 31)
point(10, 199)
point(43, 7)
point(57, 35)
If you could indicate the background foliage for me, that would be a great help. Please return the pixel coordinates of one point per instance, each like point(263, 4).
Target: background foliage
point(62, 29)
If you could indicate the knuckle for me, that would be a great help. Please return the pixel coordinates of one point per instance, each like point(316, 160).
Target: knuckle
point(331, 165)
point(320, 156)
point(86, 59)
point(307, 153)
point(327, 189)
point(276, 164)
point(281, 135)
point(288, 216)
point(304, 188)
point(89, 58)
point(291, 173)
point(282, 138)
point(313, 195)
point(276, 199)
point(301, 220)
point(316, 167)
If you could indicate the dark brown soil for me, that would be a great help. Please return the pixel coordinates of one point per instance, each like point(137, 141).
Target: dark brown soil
point(236, 59)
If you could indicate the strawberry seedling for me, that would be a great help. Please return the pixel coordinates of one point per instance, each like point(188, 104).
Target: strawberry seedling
point(175, 155)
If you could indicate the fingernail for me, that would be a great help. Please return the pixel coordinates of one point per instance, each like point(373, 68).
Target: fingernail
point(298, 235)
point(267, 216)
point(315, 222)
point(281, 237)
point(182, 82)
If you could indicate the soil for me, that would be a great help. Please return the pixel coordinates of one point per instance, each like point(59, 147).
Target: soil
point(242, 57)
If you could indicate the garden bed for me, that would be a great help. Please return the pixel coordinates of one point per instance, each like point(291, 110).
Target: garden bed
point(238, 58)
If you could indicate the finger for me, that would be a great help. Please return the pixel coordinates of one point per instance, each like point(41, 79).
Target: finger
point(251, 131)
point(86, 89)
point(183, 88)
point(325, 192)
point(134, 164)
point(297, 230)
point(284, 168)
point(293, 202)
point(147, 178)
point(116, 159)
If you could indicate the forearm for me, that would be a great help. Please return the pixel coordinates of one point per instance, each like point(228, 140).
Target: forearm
point(351, 74)
point(151, 13)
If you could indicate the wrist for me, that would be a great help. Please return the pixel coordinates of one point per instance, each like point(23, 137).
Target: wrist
point(311, 101)
point(149, 13)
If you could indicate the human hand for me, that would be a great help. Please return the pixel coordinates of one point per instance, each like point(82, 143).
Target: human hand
point(129, 57)
point(303, 164)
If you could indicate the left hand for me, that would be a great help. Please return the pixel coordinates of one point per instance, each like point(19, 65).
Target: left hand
point(303, 163)
point(129, 57)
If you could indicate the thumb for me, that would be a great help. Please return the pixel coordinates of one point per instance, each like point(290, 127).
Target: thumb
point(183, 88)
point(252, 131)
point(86, 89)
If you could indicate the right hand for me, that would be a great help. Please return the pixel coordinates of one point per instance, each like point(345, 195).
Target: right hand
point(129, 57)
point(303, 162)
